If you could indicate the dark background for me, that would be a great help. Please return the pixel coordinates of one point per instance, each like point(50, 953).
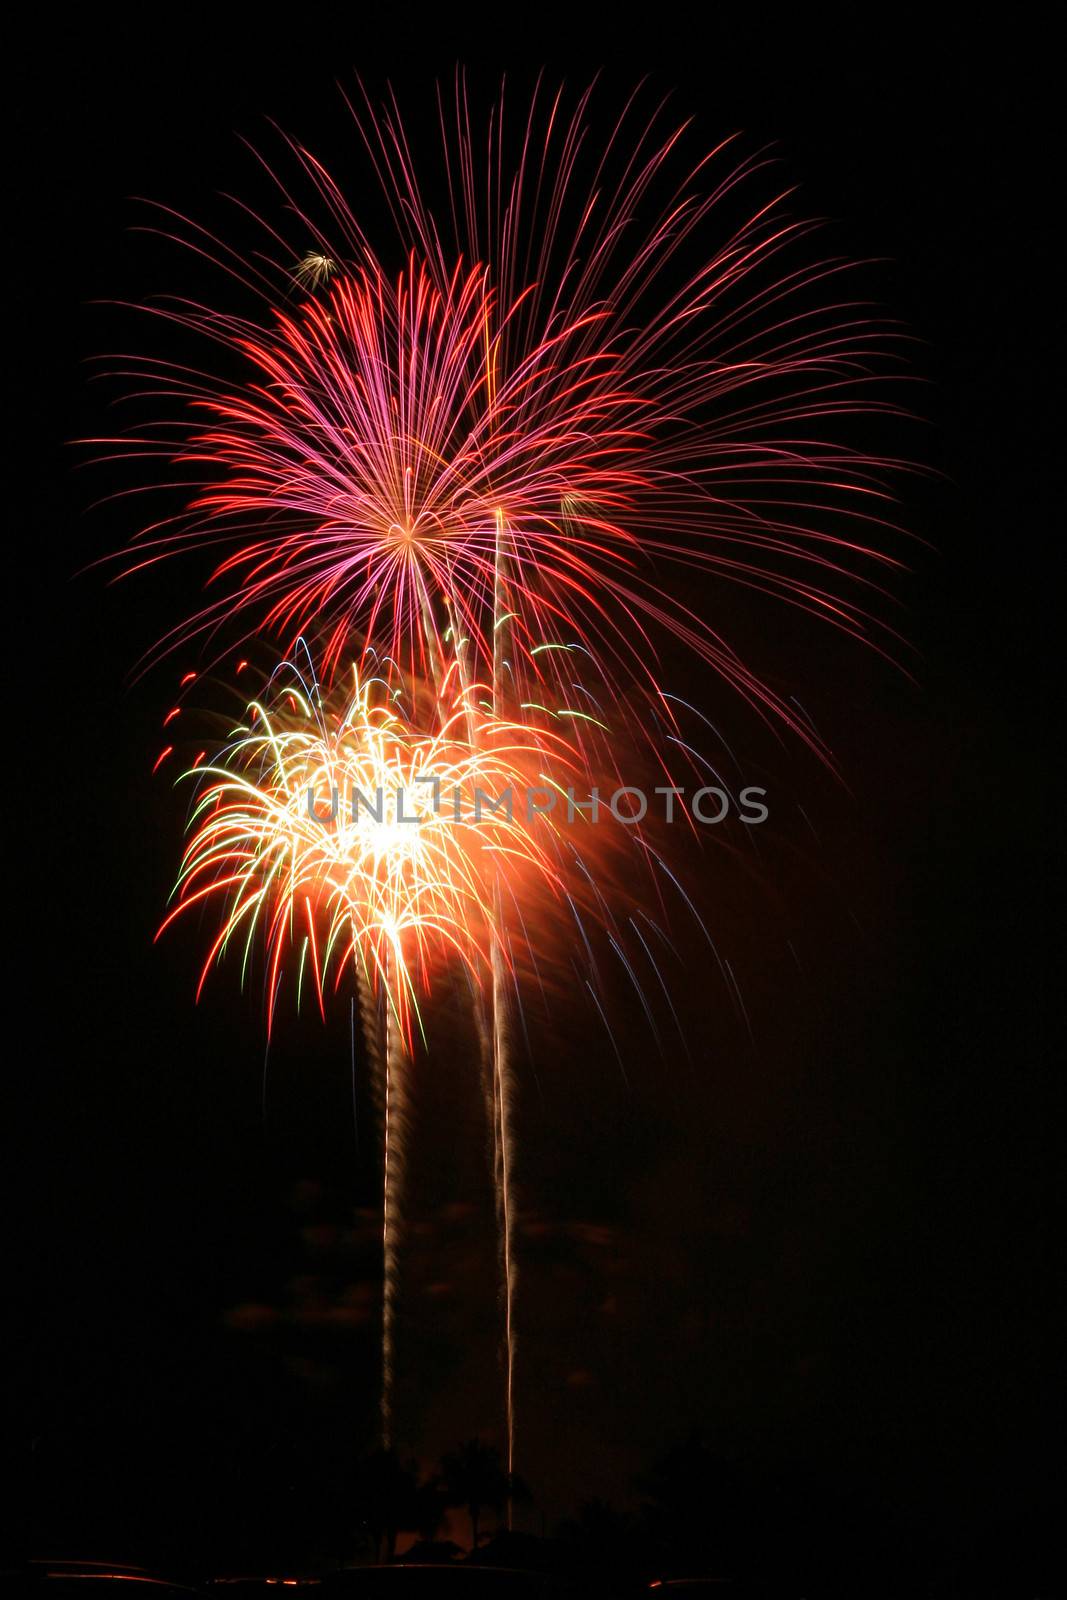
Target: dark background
point(828, 1248)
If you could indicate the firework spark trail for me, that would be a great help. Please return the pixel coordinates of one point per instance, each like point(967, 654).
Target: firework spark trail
point(370, 1019)
point(503, 1088)
point(386, 1064)
point(397, 1068)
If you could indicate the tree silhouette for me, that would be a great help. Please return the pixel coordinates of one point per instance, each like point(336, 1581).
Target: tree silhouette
point(429, 1504)
point(472, 1476)
point(387, 1491)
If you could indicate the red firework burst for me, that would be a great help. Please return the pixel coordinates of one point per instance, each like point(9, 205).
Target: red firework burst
point(522, 412)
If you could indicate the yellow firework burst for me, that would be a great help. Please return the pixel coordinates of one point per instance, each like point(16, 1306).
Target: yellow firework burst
point(313, 270)
point(338, 834)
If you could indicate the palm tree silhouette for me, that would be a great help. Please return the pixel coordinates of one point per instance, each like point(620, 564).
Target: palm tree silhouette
point(386, 1489)
point(428, 1508)
point(472, 1476)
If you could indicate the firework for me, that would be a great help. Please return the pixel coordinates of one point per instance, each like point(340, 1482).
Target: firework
point(314, 270)
point(346, 840)
point(487, 446)
point(579, 401)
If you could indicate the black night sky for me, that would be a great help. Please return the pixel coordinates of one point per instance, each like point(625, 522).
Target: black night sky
point(825, 1247)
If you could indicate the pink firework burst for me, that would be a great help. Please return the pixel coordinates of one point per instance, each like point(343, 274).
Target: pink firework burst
point(527, 406)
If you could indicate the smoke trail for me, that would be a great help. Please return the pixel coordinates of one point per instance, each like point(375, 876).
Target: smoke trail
point(397, 1062)
point(493, 1027)
point(503, 1148)
point(383, 1076)
point(502, 1031)
point(370, 1018)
